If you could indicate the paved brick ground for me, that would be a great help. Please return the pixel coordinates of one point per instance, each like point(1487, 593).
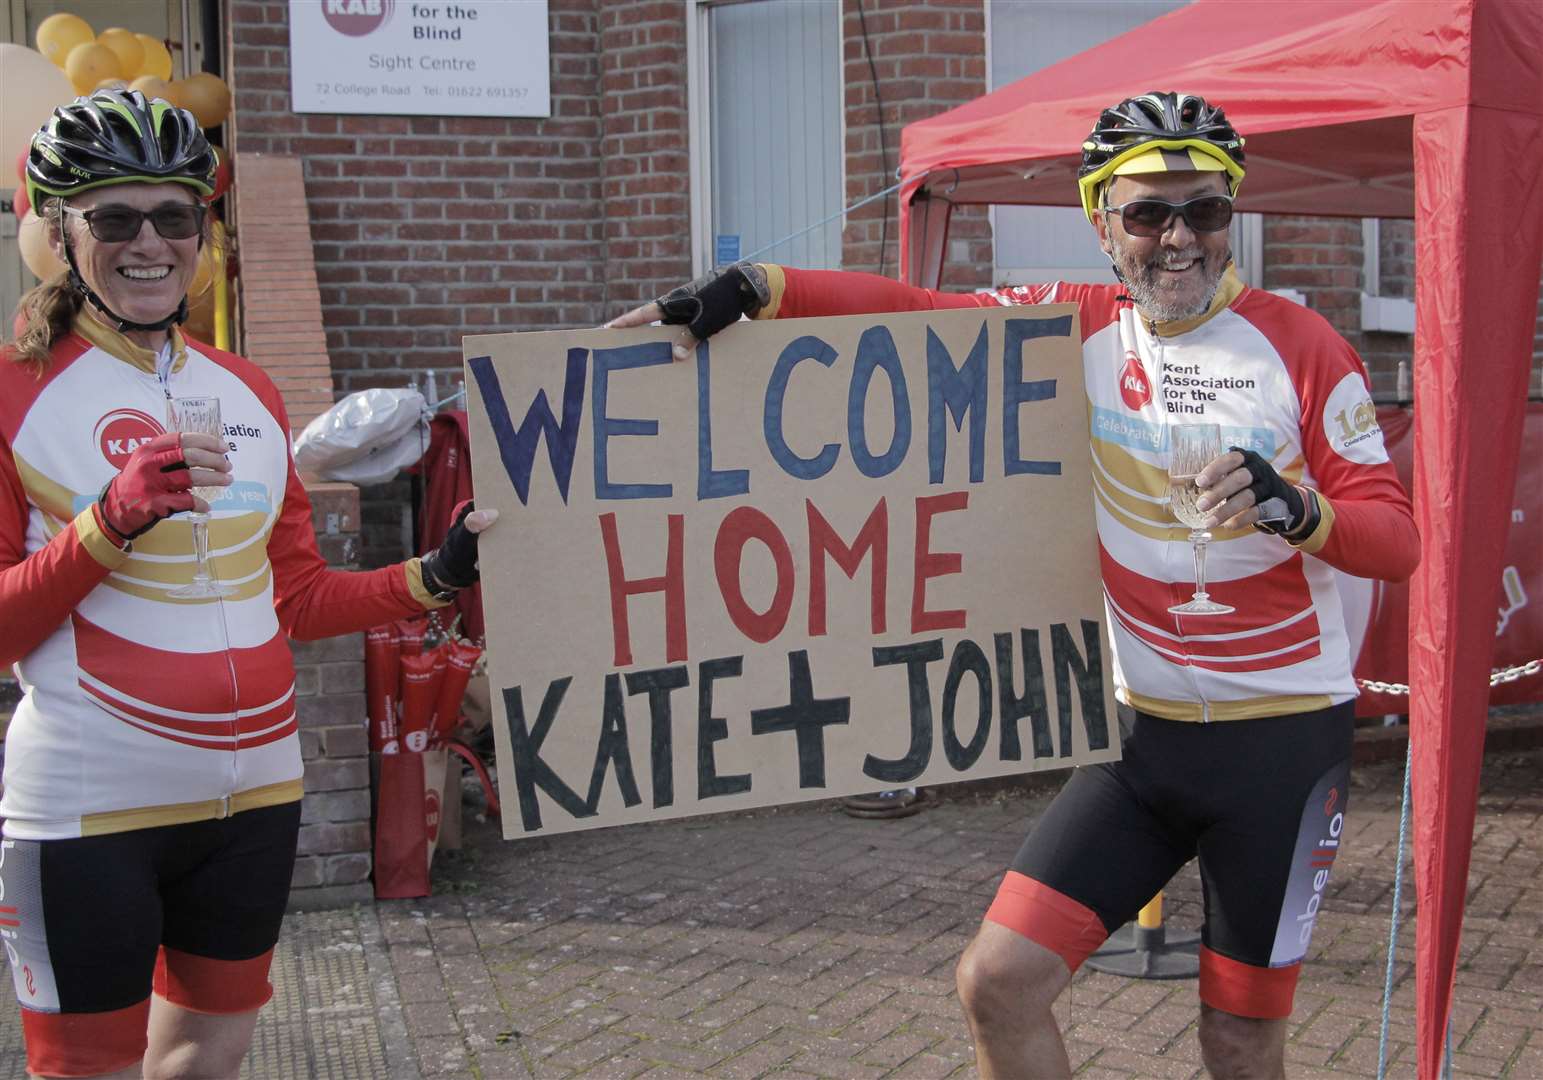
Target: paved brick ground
point(804, 943)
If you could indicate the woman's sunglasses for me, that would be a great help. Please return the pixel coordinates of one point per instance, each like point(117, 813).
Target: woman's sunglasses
point(1151, 217)
point(116, 224)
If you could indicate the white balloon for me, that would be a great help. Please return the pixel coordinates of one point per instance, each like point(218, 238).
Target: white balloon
point(31, 87)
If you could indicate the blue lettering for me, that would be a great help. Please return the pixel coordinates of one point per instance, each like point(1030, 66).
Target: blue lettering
point(876, 349)
point(1015, 391)
point(711, 483)
point(647, 354)
point(807, 347)
point(517, 446)
point(960, 391)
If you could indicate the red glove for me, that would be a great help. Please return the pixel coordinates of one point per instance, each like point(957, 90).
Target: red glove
point(155, 483)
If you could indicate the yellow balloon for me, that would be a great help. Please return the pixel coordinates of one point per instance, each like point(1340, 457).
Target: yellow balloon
point(89, 64)
point(58, 35)
point(126, 45)
point(157, 59)
point(153, 86)
point(206, 96)
point(32, 239)
point(30, 87)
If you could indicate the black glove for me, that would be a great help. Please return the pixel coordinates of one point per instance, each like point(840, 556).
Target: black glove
point(452, 565)
point(1281, 507)
point(715, 300)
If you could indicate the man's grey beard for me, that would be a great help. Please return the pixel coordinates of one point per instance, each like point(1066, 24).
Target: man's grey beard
point(1141, 283)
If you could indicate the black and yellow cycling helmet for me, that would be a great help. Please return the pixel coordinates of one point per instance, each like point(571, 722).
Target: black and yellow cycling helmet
point(118, 137)
point(1158, 132)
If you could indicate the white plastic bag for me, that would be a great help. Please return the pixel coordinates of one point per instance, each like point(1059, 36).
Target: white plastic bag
point(381, 463)
point(379, 424)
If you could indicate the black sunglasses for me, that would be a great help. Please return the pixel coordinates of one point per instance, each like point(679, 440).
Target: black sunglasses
point(1151, 217)
point(116, 224)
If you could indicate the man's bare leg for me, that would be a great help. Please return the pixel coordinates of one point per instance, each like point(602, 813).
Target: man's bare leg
point(1007, 985)
point(1240, 1047)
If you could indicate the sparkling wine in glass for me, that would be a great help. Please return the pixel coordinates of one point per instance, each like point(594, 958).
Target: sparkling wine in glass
point(200, 415)
point(1191, 448)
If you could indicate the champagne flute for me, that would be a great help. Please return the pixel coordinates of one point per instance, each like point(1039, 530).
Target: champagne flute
point(1191, 448)
point(199, 415)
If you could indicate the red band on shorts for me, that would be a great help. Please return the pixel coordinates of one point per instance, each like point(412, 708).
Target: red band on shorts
point(1262, 993)
point(85, 1044)
point(220, 987)
point(1047, 918)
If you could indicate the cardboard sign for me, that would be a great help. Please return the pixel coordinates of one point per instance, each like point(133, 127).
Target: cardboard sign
point(822, 557)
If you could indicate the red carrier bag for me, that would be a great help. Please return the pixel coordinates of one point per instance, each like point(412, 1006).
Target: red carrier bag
point(461, 658)
point(407, 816)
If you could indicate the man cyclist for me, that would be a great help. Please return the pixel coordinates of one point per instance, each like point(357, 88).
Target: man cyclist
point(1237, 727)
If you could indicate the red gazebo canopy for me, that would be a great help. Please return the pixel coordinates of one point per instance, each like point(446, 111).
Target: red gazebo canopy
point(1386, 108)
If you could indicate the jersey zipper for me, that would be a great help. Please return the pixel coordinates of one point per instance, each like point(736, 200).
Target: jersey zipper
point(1160, 351)
point(163, 376)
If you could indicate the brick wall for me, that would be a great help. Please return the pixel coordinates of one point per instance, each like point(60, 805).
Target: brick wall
point(928, 55)
point(644, 153)
point(332, 867)
point(427, 228)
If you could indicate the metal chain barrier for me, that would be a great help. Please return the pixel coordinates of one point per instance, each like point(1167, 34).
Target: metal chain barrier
point(1496, 678)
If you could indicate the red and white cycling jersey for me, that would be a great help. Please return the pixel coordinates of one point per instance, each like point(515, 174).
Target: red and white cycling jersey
point(140, 709)
point(1279, 381)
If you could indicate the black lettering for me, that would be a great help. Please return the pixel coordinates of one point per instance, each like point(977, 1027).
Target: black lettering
point(711, 729)
point(915, 657)
point(530, 772)
point(1069, 665)
point(1013, 707)
point(658, 684)
point(968, 658)
point(805, 714)
point(612, 749)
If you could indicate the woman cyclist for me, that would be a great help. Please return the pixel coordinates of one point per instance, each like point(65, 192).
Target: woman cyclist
point(153, 770)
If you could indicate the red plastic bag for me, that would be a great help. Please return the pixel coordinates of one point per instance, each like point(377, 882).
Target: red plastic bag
point(407, 816)
point(460, 657)
point(382, 653)
point(421, 678)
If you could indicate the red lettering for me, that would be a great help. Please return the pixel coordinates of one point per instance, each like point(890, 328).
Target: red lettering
point(823, 541)
point(742, 525)
point(930, 564)
point(672, 583)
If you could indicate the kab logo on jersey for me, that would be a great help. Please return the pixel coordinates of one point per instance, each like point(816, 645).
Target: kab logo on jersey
point(1135, 387)
point(123, 431)
point(356, 17)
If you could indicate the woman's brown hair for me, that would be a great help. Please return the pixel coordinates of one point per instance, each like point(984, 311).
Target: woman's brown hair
point(47, 311)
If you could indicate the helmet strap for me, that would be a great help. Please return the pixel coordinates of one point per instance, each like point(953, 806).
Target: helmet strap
point(78, 283)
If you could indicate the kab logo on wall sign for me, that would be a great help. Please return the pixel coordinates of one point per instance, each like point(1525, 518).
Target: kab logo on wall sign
point(1135, 387)
point(357, 17)
point(123, 431)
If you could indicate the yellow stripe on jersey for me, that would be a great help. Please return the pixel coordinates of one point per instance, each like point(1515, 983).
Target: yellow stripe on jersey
point(1242, 709)
point(174, 535)
point(777, 282)
point(245, 590)
point(1313, 542)
point(48, 495)
point(96, 542)
point(149, 817)
point(414, 569)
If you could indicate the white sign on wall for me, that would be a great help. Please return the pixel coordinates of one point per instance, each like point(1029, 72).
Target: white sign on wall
point(420, 57)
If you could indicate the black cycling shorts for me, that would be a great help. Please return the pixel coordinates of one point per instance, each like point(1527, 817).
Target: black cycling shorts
point(1260, 802)
point(92, 925)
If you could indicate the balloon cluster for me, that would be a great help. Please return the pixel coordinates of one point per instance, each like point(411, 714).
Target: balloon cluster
point(123, 60)
point(70, 60)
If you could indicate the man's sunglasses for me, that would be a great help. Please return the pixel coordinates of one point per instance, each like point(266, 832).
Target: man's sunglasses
point(116, 224)
point(1151, 217)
